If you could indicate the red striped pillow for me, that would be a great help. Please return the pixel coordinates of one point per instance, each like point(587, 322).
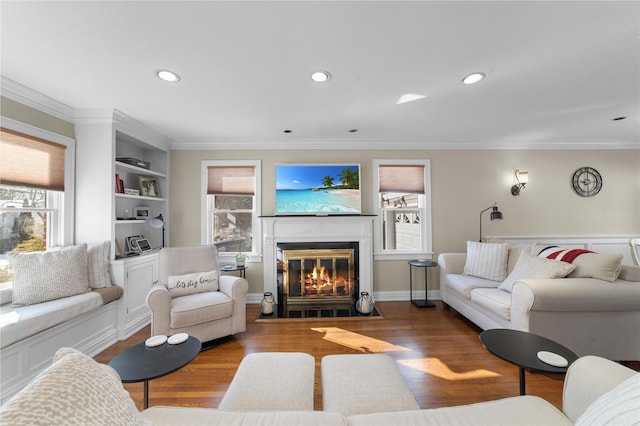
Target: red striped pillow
point(589, 264)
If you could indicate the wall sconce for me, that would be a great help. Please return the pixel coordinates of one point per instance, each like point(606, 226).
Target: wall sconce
point(495, 215)
point(158, 222)
point(522, 178)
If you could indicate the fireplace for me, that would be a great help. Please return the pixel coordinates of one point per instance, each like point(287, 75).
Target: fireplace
point(321, 232)
point(317, 274)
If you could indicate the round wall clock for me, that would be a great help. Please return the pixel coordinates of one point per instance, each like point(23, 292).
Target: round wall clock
point(587, 181)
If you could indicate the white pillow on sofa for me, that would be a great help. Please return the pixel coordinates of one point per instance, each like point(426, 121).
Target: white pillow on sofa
point(619, 406)
point(533, 267)
point(42, 276)
point(487, 260)
point(199, 282)
point(589, 264)
point(98, 265)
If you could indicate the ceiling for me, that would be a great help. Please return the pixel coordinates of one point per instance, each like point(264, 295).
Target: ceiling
point(557, 73)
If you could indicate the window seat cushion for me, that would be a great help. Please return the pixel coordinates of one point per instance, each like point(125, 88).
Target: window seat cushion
point(17, 323)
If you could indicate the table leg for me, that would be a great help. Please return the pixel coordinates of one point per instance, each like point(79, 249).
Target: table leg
point(410, 283)
point(146, 394)
point(427, 303)
point(522, 384)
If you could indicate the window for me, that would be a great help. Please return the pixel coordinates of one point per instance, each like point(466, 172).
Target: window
point(231, 206)
point(403, 207)
point(35, 175)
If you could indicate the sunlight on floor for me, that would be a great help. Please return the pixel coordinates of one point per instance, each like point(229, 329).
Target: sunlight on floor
point(436, 367)
point(358, 341)
point(433, 366)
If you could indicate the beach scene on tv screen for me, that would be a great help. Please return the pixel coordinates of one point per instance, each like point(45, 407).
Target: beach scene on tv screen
point(319, 189)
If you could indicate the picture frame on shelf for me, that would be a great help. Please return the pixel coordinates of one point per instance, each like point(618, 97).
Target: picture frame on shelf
point(131, 243)
point(148, 186)
point(143, 245)
point(143, 213)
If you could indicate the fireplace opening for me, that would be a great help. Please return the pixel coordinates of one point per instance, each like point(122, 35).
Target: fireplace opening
point(316, 278)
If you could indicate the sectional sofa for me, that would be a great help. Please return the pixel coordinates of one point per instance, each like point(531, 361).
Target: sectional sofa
point(76, 390)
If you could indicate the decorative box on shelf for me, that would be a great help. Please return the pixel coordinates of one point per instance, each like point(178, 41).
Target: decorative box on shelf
point(129, 191)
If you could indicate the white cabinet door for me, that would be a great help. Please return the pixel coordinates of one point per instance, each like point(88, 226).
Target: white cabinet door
point(135, 275)
point(139, 279)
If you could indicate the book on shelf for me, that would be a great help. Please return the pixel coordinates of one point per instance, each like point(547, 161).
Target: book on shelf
point(119, 184)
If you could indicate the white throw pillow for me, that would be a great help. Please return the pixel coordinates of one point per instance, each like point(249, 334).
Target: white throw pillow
point(98, 265)
point(199, 282)
point(74, 390)
point(533, 267)
point(619, 406)
point(42, 276)
point(487, 260)
point(589, 264)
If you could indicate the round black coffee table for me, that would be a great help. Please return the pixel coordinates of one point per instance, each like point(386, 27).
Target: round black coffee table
point(521, 348)
point(141, 364)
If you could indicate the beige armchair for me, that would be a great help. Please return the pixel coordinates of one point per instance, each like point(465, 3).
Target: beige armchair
point(207, 316)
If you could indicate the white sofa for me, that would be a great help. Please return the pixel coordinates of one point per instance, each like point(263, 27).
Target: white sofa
point(589, 316)
point(76, 390)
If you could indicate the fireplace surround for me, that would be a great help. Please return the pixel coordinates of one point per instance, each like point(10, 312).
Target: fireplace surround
point(317, 274)
point(319, 230)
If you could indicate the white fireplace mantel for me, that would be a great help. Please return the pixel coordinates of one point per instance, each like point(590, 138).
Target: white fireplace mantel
point(300, 229)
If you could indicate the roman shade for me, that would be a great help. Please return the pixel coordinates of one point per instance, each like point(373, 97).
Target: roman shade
point(29, 161)
point(403, 178)
point(231, 180)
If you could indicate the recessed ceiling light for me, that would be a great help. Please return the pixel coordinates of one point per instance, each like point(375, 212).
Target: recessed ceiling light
point(288, 131)
point(320, 76)
point(353, 131)
point(473, 78)
point(167, 75)
point(408, 97)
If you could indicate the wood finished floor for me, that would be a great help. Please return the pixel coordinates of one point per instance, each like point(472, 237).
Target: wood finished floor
point(438, 352)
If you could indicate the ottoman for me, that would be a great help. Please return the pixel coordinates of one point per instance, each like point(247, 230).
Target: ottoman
point(363, 384)
point(272, 381)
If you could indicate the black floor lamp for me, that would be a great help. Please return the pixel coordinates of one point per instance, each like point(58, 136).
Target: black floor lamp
point(495, 215)
point(158, 222)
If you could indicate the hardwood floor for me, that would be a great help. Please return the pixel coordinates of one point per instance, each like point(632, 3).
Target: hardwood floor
point(438, 352)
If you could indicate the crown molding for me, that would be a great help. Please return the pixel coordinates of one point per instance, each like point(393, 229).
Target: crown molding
point(375, 144)
point(36, 100)
point(124, 123)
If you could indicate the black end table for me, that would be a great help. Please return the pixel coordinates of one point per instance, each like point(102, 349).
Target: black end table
point(141, 364)
point(235, 268)
point(521, 348)
point(421, 264)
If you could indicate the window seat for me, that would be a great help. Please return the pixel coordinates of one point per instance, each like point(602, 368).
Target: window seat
point(30, 335)
point(17, 323)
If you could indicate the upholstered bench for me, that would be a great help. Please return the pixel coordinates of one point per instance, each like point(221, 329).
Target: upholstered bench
point(363, 384)
point(272, 381)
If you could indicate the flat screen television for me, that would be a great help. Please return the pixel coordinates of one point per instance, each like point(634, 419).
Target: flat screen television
point(318, 189)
